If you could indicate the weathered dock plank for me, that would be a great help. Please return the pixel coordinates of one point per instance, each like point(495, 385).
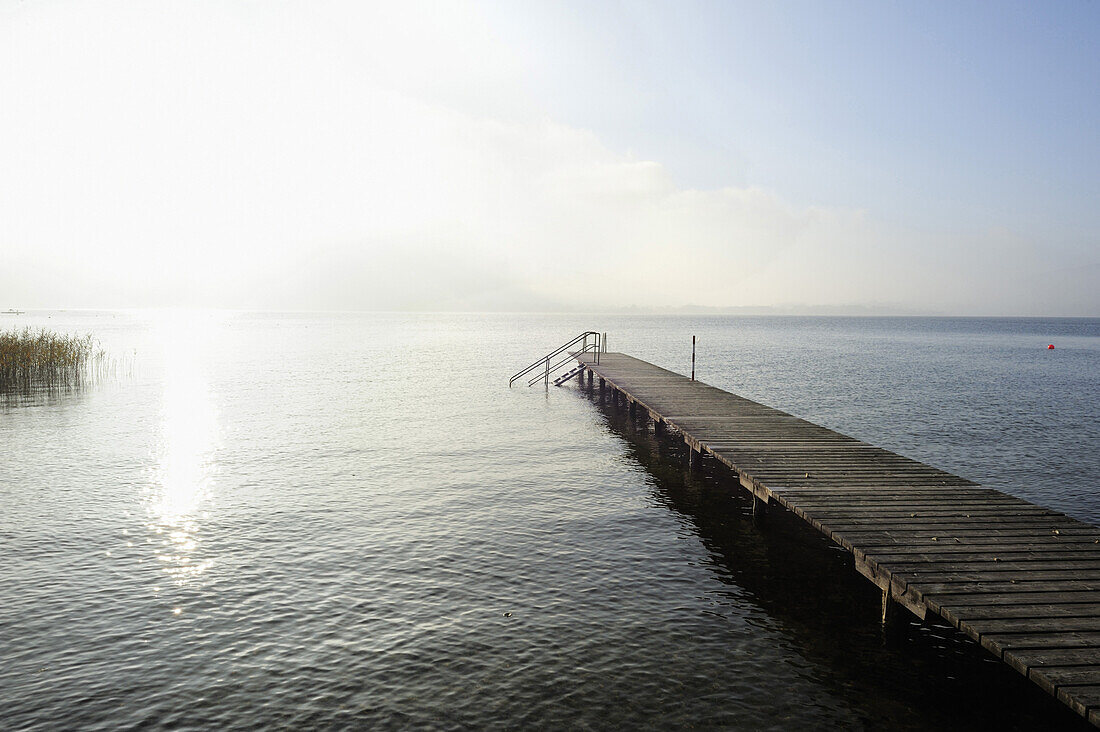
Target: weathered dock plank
point(1020, 579)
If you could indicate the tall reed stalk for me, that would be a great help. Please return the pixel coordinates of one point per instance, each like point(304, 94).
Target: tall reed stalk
point(32, 359)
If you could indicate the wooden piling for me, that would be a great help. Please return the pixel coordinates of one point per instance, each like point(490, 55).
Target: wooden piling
point(1020, 579)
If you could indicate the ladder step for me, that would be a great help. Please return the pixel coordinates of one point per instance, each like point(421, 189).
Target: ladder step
point(566, 377)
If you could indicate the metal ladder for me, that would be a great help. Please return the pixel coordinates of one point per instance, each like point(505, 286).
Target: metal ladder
point(589, 342)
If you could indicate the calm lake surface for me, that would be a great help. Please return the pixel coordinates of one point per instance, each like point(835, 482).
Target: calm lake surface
point(329, 521)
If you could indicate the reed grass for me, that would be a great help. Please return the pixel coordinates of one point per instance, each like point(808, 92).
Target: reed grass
point(31, 359)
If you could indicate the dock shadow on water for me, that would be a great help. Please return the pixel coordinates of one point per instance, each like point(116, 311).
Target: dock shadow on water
point(906, 674)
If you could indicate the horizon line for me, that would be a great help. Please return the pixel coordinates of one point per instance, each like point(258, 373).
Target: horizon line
point(683, 310)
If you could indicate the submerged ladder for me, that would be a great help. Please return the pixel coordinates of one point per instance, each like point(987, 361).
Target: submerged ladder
point(568, 375)
point(589, 341)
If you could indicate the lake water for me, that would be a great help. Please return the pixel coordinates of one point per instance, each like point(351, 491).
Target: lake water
point(330, 521)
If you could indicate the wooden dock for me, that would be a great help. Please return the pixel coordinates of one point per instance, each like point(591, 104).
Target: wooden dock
point(1022, 580)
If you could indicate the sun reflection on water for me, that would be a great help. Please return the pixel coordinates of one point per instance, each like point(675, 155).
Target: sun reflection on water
point(181, 488)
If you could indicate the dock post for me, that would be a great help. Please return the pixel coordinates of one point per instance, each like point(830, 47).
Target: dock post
point(589, 378)
point(889, 608)
point(759, 507)
point(695, 457)
point(658, 426)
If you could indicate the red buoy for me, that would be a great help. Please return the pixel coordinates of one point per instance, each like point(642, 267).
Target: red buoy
point(1050, 347)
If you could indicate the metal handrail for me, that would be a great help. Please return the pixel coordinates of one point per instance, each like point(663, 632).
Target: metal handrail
point(582, 336)
point(548, 368)
point(558, 365)
point(545, 360)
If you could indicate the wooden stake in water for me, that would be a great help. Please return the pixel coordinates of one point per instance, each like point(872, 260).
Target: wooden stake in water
point(693, 358)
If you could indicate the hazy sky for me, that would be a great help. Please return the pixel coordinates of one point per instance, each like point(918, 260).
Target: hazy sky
point(519, 155)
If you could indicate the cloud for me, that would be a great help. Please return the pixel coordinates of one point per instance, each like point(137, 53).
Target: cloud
point(244, 156)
